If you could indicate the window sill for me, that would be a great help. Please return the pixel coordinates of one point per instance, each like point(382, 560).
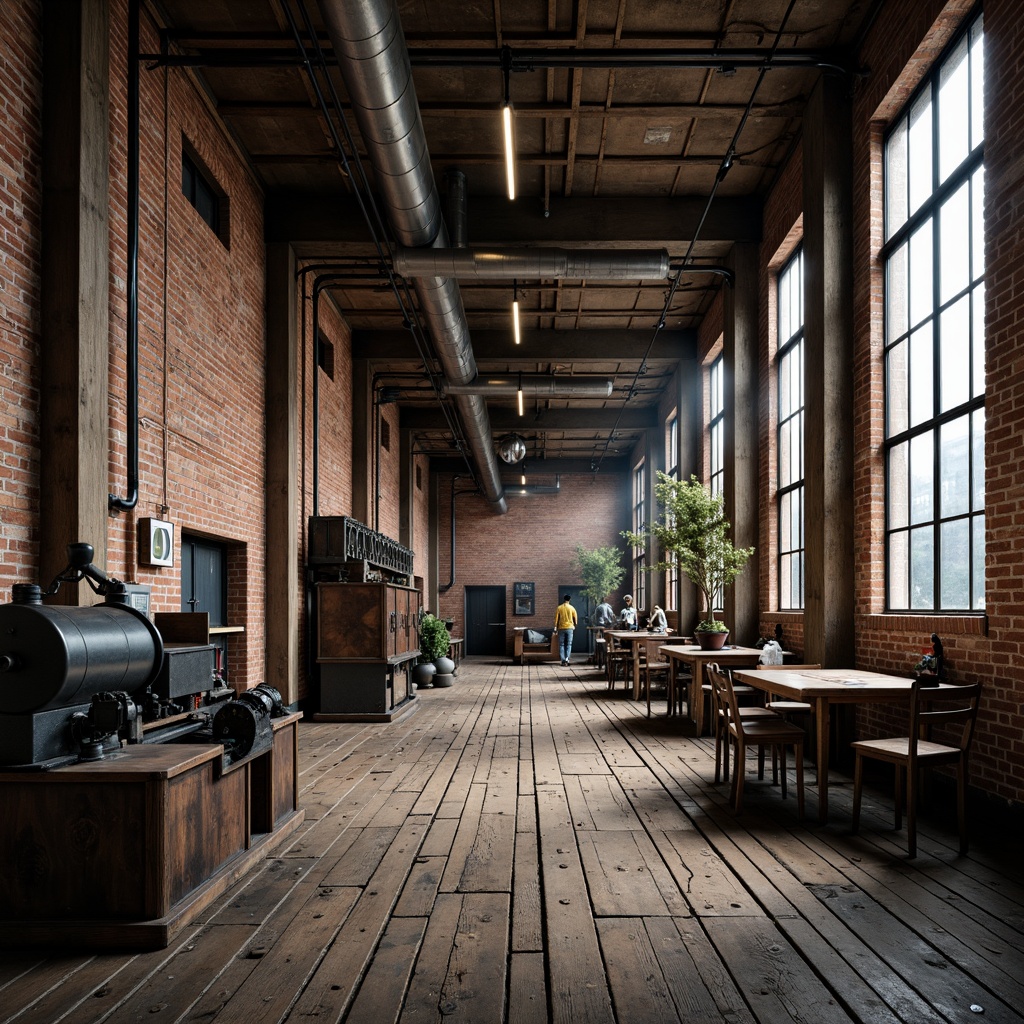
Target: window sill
point(945, 625)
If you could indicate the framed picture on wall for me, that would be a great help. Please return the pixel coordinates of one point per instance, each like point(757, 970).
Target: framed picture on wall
point(522, 594)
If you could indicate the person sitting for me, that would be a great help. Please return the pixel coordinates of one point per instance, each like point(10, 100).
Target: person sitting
point(627, 617)
point(604, 616)
point(658, 623)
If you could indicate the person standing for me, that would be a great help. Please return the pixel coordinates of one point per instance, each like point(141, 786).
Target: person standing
point(627, 617)
point(565, 623)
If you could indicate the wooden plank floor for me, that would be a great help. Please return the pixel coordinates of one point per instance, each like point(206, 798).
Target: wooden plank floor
point(528, 847)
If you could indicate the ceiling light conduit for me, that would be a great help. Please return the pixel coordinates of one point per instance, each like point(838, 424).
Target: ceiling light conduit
point(368, 40)
point(510, 264)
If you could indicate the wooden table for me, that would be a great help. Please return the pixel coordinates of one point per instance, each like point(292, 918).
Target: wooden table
point(822, 687)
point(696, 657)
point(629, 637)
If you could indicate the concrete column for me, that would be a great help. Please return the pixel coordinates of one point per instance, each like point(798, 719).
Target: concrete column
point(74, 416)
point(282, 473)
point(742, 506)
point(828, 369)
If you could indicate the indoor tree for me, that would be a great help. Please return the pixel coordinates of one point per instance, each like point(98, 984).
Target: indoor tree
point(600, 569)
point(693, 534)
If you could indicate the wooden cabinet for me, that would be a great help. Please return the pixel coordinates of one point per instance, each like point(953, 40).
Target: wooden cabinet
point(125, 851)
point(367, 638)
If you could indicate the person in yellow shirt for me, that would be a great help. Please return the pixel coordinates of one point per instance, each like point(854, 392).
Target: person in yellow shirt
point(565, 623)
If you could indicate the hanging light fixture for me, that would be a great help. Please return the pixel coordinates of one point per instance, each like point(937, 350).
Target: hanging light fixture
point(522, 471)
point(511, 448)
point(519, 393)
point(515, 311)
point(507, 124)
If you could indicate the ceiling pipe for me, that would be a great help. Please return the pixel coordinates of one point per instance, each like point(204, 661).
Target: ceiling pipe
point(533, 386)
point(374, 62)
point(506, 264)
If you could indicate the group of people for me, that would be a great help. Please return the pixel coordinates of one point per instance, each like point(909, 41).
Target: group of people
point(566, 620)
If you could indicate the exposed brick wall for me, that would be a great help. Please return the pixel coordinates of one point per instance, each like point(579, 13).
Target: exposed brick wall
point(535, 541)
point(901, 49)
point(20, 224)
point(201, 346)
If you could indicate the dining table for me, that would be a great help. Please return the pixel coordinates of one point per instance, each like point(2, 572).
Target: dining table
point(821, 688)
point(630, 639)
point(697, 658)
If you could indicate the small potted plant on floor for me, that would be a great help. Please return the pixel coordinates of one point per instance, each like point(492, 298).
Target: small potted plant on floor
point(434, 643)
point(693, 535)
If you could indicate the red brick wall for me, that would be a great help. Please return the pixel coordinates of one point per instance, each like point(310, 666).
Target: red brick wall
point(20, 216)
point(902, 47)
point(201, 347)
point(535, 541)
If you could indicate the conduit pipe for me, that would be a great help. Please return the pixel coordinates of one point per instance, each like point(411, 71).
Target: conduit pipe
point(535, 385)
point(374, 62)
point(506, 264)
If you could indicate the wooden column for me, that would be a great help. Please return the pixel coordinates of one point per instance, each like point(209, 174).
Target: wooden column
point(406, 488)
point(742, 507)
point(281, 627)
point(689, 398)
point(74, 413)
point(364, 485)
point(828, 368)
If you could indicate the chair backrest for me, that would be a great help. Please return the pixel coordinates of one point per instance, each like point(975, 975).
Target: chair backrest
point(934, 707)
point(784, 668)
point(721, 690)
point(652, 644)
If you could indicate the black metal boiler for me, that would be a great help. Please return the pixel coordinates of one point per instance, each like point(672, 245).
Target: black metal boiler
point(77, 682)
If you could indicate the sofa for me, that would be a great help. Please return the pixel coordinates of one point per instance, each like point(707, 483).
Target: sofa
point(523, 650)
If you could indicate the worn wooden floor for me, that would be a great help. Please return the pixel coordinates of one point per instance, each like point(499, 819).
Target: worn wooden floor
point(527, 847)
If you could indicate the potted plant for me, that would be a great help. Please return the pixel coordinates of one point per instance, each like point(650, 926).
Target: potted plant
point(434, 643)
point(694, 535)
point(601, 571)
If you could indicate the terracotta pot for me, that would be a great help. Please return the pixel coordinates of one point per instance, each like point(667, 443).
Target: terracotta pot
point(711, 641)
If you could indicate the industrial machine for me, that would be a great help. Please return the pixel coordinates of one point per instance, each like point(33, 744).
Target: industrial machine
point(77, 683)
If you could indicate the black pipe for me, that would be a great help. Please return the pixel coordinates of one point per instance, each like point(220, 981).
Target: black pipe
point(115, 502)
point(451, 569)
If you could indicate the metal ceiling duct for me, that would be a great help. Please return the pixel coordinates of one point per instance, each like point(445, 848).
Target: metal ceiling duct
point(534, 385)
point(506, 264)
point(374, 62)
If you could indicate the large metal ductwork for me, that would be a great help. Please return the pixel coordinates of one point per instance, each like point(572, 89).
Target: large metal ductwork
point(374, 62)
point(533, 386)
point(506, 264)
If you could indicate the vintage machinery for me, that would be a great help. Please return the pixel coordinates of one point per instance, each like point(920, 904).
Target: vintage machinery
point(77, 682)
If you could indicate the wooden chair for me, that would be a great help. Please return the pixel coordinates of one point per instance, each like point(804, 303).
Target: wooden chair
point(955, 707)
point(764, 730)
point(653, 663)
point(720, 714)
point(617, 657)
point(790, 707)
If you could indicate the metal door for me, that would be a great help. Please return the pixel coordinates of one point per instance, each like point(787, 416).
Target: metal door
point(582, 638)
point(485, 620)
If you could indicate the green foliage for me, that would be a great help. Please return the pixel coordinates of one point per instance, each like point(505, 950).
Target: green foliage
point(434, 637)
point(600, 569)
point(694, 535)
